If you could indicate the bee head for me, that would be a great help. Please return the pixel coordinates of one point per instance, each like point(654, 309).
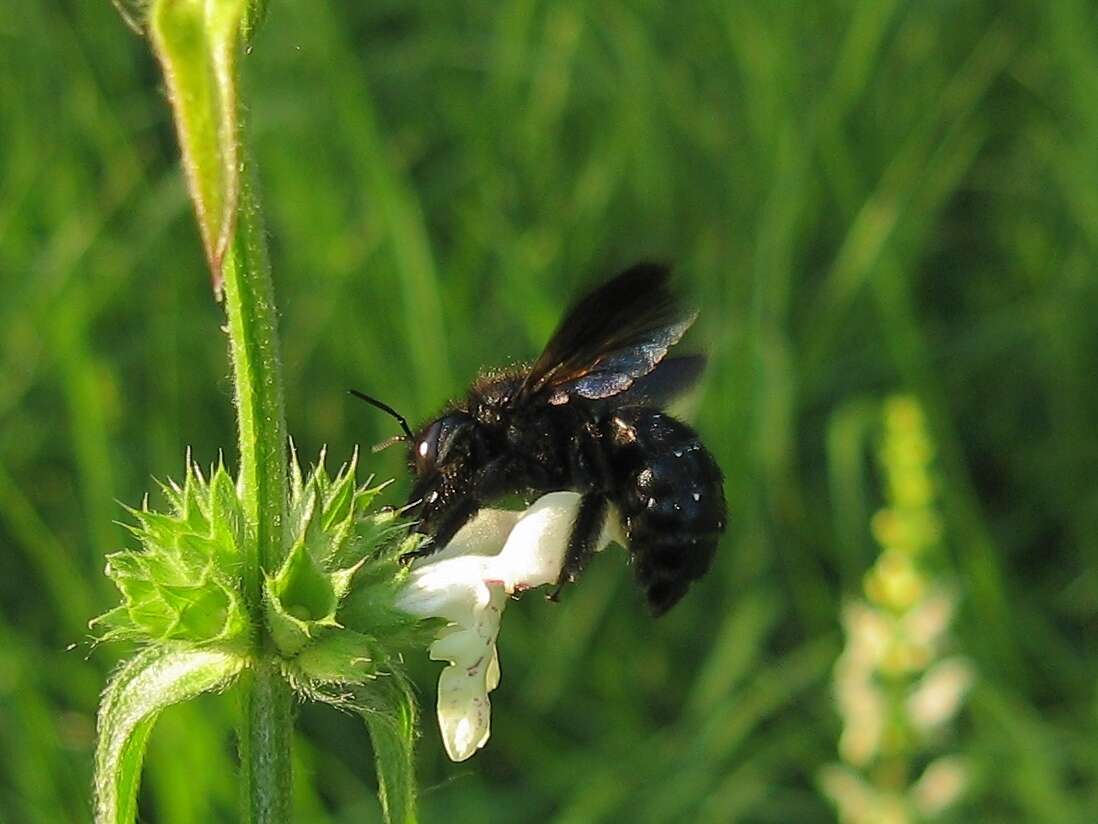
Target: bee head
point(442, 442)
point(442, 456)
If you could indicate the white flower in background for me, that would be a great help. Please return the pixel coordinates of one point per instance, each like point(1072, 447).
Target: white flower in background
point(859, 801)
point(938, 695)
point(941, 784)
point(896, 684)
point(927, 623)
point(499, 553)
point(860, 699)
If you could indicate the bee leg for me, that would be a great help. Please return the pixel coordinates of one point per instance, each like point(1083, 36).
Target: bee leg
point(581, 543)
point(424, 552)
point(448, 527)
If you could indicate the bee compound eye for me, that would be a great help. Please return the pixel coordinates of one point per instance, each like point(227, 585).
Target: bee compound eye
point(444, 441)
point(426, 448)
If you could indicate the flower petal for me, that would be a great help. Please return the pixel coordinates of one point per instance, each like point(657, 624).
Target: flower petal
point(484, 535)
point(453, 589)
point(467, 583)
point(464, 711)
point(534, 552)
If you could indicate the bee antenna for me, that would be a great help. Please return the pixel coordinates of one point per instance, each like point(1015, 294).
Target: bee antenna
point(384, 407)
point(385, 444)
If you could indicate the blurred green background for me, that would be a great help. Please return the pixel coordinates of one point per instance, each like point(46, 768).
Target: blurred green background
point(864, 198)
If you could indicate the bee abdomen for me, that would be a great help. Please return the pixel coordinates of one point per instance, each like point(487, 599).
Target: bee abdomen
point(671, 497)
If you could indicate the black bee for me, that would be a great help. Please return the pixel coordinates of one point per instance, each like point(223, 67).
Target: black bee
point(586, 417)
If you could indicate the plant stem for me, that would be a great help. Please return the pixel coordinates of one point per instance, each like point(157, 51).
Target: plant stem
point(257, 374)
point(266, 732)
point(265, 722)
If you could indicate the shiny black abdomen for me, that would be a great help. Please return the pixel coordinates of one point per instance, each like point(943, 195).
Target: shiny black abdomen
point(670, 494)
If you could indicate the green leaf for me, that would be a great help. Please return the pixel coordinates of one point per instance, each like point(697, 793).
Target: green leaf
point(197, 43)
point(155, 679)
point(388, 706)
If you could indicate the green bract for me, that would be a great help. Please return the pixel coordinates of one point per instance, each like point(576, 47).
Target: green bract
point(328, 608)
point(184, 583)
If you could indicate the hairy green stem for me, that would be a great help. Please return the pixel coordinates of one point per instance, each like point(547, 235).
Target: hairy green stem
point(257, 375)
point(266, 732)
point(265, 720)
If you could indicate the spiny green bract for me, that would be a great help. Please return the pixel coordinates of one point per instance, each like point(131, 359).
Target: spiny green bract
point(184, 583)
point(328, 608)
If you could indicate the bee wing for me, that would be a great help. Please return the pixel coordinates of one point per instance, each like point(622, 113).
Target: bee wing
point(670, 379)
point(616, 334)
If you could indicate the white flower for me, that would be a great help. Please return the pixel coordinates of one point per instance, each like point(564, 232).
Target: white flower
point(928, 621)
point(499, 553)
point(938, 695)
point(941, 784)
point(860, 802)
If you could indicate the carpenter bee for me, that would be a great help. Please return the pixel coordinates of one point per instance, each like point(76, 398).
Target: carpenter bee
point(586, 416)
